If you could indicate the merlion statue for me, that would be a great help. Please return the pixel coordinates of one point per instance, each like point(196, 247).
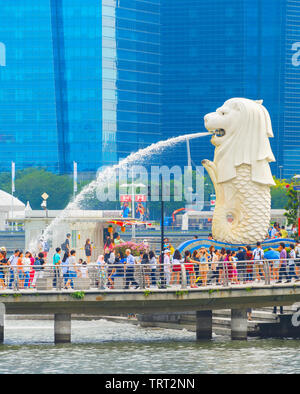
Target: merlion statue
point(240, 171)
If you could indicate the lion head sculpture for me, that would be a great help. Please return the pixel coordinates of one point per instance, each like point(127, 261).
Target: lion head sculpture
point(241, 129)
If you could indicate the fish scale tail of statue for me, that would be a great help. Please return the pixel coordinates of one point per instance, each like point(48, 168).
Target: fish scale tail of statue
point(240, 172)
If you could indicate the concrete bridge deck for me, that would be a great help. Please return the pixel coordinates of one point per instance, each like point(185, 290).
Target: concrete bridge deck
point(62, 304)
point(149, 301)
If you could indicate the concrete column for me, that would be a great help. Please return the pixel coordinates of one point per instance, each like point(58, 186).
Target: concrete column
point(2, 318)
point(203, 325)
point(62, 328)
point(239, 324)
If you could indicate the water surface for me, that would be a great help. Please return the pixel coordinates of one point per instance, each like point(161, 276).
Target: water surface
point(101, 346)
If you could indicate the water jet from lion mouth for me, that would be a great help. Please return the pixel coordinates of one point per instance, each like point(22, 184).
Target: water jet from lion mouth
point(219, 132)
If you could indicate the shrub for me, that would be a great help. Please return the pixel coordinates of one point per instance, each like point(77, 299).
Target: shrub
point(136, 249)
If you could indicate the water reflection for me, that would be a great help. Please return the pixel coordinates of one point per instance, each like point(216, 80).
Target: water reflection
point(107, 347)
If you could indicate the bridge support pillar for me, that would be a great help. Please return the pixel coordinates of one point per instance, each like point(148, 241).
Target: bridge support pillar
point(203, 325)
point(62, 328)
point(239, 324)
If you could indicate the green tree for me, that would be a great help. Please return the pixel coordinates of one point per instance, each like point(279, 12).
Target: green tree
point(279, 197)
point(292, 207)
point(31, 183)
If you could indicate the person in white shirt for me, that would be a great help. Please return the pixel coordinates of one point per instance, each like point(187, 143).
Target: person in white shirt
point(153, 266)
point(291, 264)
point(84, 270)
point(258, 256)
point(72, 273)
point(167, 266)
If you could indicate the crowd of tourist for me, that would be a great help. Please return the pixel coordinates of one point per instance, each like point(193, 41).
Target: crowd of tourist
point(202, 267)
point(24, 269)
point(277, 231)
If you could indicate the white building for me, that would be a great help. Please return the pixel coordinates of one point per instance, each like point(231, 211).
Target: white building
point(10, 207)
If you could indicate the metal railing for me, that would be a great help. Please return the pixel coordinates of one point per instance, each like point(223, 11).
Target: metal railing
point(147, 276)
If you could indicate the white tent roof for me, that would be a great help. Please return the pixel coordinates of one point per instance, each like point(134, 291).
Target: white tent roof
point(6, 202)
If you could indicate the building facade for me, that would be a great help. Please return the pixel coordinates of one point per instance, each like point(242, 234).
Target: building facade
point(94, 80)
point(80, 81)
point(216, 50)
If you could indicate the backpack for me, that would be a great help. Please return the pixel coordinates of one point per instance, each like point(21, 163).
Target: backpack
point(37, 264)
point(64, 246)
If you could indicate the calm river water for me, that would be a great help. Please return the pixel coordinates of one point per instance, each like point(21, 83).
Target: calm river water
point(101, 346)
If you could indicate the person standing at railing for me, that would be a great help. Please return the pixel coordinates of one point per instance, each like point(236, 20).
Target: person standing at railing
point(83, 271)
point(283, 263)
point(56, 265)
point(167, 266)
point(234, 260)
point(195, 257)
point(203, 265)
point(32, 269)
point(176, 267)
point(249, 264)
point(230, 267)
point(189, 269)
point(39, 266)
point(221, 266)
point(13, 260)
point(117, 269)
point(273, 257)
point(240, 265)
point(26, 269)
point(258, 256)
point(129, 275)
point(213, 260)
point(110, 263)
point(146, 270)
point(65, 269)
point(291, 264)
point(20, 270)
point(101, 267)
point(72, 267)
point(153, 265)
point(3, 265)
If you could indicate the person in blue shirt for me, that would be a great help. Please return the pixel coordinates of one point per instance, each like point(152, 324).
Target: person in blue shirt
point(56, 264)
point(274, 264)
point(129, 273)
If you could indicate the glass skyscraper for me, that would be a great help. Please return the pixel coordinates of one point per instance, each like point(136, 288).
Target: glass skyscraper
point(80, 81)
point(93, 80)
point(216, 50)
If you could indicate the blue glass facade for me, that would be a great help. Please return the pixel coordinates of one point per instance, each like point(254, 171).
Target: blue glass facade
point(216, 50)
point(93, 80)
point(28, 132)
point(81, 81)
